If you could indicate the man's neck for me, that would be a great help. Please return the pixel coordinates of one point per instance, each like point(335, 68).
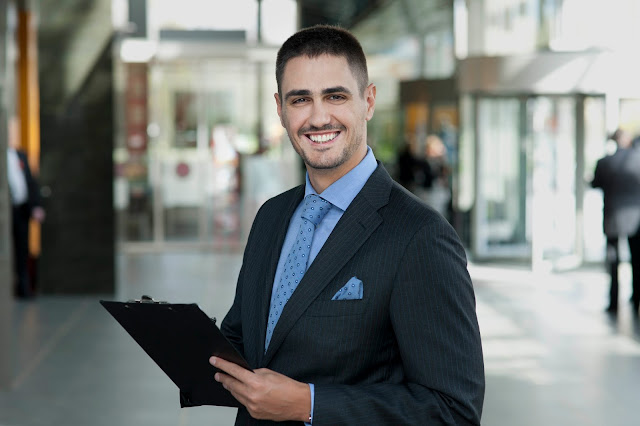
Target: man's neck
point(321, 179)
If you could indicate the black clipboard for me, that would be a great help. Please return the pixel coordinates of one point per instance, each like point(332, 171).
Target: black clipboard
point(180, 338)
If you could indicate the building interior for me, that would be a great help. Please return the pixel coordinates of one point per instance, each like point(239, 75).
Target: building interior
point(152, 131)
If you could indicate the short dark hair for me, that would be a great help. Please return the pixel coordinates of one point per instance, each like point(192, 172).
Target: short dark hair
point(324, 40)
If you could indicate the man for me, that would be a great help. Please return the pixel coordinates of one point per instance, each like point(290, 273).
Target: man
point(25, 202)
point(381, 327)
point(618, 176)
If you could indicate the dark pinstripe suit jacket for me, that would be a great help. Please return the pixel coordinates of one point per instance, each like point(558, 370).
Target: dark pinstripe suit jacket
point(408, 353)
point(618, 176)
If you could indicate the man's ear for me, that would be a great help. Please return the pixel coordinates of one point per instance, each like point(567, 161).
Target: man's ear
point(279, 107)
point(370, 98)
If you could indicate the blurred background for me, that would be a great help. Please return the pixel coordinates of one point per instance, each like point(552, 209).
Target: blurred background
point(151, 128)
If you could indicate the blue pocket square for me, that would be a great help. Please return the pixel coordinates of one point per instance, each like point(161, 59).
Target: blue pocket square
point(352, 290)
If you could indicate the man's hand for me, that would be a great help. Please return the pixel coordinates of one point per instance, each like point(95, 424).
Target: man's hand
point(266, 394)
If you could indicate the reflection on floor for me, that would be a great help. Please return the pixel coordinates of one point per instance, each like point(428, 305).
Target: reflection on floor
point(552, 356)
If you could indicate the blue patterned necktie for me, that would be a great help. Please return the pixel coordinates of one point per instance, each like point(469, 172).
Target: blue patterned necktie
point(295, 266)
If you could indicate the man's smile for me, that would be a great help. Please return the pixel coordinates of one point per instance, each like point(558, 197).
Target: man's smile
point(323, 138)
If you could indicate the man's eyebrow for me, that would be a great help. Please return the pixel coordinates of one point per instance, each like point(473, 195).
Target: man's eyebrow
point(337, 89)
point(307, 92)
point(297, 92)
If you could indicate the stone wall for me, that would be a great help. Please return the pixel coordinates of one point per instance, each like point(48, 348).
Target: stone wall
point(78, 248)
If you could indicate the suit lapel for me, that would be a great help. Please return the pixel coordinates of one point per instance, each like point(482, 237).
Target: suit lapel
point(281, 225)
point(354, 228)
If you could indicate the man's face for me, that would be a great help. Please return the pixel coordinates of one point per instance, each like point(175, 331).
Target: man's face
point(325, 114)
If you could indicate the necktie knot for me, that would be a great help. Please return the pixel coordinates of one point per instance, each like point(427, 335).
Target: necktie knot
point(315, 208)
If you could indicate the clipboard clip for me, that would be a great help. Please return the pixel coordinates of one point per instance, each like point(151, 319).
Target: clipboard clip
point(151, 300)
point(147, 299)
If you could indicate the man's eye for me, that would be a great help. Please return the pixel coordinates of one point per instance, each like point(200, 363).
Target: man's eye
point(299, 101)
point(337, 98)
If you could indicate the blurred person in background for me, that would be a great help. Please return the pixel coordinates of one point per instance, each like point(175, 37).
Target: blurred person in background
point(618, 175)
point(435, 188)
point(381, 329)
point(406, 164)
point(25, 202)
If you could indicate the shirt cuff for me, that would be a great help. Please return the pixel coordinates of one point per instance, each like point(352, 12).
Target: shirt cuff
point(313, 392)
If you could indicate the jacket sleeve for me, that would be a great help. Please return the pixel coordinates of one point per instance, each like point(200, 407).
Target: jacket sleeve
point(231, 325)
point(597, 176)
point(434, 321)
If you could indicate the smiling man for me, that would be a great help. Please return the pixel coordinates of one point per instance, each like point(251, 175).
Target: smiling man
point(353, 304)
point(325, 113)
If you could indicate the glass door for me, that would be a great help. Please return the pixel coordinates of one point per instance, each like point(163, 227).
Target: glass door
point(187, 124)
point(500, 219)
point(202, 124)
point(551, 124)
point(535, 156)
point(595, 147)
point(204, 149)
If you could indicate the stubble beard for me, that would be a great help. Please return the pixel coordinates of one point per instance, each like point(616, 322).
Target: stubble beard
point(328, 161)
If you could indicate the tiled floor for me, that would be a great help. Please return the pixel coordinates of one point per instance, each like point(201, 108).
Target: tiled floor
point(552, 356)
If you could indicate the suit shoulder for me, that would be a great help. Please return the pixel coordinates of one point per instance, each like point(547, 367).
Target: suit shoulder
point(285, 197)
point(411, 212)
point(281, 201)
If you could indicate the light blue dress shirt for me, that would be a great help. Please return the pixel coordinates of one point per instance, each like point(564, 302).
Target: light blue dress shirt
point(17, 180)
point(341, 193)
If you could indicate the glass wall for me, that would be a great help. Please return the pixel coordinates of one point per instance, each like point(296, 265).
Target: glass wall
point(578, 24)
point(505, 27)
point(203, 117)
point(500, 209)
point(569, 63)
point(204, 166)
point(630, 116)
point(534, 160)
point(551, 124)
point(404, 41)
point(278, 18)
point(595, 147)
point(199, 143)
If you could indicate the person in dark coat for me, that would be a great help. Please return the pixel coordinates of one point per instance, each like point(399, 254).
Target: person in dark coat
point(25, 203)
point(618, 175)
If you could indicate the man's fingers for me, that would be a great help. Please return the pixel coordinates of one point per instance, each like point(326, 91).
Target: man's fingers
point(265, 394)
point(233, 385)
point(231, 369)
point(229, 383)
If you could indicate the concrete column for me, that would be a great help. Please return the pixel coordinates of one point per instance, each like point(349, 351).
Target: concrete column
point(476, 28)
point(579, 176)
point(28, 102)
point(6, 274)
point(77, 137)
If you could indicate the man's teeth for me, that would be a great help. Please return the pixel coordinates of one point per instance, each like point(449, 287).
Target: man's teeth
point(323, 138)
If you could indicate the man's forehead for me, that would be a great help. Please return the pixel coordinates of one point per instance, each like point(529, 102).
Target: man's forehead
point(318, 72)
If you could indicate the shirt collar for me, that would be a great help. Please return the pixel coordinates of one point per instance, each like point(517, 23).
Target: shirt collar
point(342, 192)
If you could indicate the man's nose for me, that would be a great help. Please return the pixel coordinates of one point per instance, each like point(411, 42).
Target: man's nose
point(320, 115)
